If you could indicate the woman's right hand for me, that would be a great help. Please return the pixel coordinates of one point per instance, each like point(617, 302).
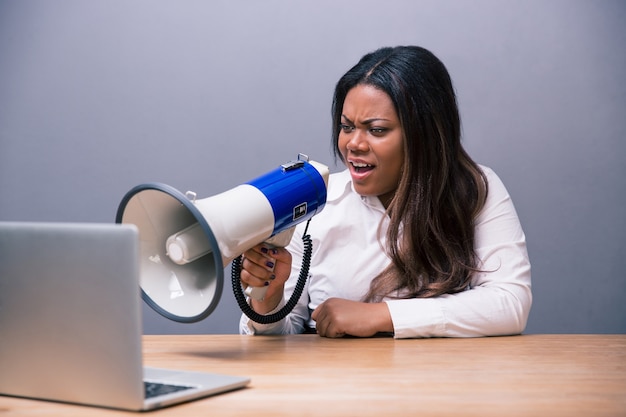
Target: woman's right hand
point(266, 266)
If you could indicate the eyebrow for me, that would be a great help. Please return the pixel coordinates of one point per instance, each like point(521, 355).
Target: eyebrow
point(367, 121)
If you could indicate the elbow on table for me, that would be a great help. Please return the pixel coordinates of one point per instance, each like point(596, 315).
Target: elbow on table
point(515, 311)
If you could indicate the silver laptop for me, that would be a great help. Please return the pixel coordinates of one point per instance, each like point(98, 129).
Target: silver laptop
point(70, 321)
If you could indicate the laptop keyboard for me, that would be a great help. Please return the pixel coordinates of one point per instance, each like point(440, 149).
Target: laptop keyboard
point(154, 389)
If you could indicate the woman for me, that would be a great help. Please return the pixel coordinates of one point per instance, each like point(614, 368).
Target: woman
point(416, 239)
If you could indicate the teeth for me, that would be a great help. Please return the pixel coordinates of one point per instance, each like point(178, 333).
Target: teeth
point(360, 165)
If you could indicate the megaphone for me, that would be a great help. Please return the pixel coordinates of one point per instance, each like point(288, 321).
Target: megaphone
point(185, 243)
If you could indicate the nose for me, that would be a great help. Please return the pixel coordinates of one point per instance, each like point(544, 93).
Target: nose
point(358, 142)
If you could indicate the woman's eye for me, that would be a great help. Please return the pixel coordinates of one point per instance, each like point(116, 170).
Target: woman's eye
point(378, 131)
point(346, 128)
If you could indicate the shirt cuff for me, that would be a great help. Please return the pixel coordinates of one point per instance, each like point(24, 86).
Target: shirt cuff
point(248, 326)
point(417, 317)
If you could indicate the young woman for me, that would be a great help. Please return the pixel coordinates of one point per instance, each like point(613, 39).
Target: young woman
point(416, 239)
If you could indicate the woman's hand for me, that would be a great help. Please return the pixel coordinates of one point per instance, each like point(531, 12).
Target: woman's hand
point(337, 317)
point(266, 266)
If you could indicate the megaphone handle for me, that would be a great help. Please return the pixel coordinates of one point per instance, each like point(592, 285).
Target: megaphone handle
point(258, 293)
point(280, 240)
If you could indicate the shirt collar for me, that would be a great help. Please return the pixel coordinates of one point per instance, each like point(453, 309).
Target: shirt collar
point(341, 184)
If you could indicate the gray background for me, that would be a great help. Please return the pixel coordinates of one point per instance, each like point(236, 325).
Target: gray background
point(99, 96)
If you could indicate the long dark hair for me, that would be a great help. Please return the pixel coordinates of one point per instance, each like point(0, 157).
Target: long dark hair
point(441, 190)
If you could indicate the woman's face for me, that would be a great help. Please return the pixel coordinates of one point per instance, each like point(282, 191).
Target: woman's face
point(371, 142)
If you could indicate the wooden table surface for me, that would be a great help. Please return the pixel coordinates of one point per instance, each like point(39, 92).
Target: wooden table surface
point(306, 375)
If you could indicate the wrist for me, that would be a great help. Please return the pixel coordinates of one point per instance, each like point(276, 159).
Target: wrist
point(383, 318)
point(268, 305)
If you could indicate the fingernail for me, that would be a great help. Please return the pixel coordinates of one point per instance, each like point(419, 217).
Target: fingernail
point(274, 251)
point(266, 283)
point(269, 264)
point(264, 249)
point(273, 277)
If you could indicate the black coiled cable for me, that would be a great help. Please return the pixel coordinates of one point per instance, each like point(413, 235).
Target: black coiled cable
point(295, 296)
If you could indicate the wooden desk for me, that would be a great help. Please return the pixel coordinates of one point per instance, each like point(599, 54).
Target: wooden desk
point(306, 375)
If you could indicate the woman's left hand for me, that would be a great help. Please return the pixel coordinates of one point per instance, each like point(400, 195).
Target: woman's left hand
point(337, 317)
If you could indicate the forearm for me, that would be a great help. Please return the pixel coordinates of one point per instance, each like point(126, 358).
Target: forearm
point(481, 311)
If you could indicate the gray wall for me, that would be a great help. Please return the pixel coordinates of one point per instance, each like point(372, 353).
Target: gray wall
point(98, 96)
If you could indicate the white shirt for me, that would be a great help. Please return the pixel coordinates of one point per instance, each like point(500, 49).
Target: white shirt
point(348, 252)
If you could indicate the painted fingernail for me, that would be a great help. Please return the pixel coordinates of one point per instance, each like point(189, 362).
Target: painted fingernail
point(269, 264)
point(266, 283)
point(264, 249)
point(273, 277)
point(274, 251)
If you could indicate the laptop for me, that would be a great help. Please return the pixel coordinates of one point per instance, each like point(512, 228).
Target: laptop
point(70, 321)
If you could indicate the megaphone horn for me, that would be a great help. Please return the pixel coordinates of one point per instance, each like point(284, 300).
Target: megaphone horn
point(186, 242)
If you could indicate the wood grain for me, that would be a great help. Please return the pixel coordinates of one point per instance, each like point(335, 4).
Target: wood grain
point(306, 375)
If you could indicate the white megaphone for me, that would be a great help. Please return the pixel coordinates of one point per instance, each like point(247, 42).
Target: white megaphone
point(185, 243)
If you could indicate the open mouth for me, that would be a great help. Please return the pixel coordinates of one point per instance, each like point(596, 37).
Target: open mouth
point(360, 167)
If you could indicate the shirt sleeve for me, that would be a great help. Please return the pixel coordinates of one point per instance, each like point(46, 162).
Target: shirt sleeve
point(499, 298)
